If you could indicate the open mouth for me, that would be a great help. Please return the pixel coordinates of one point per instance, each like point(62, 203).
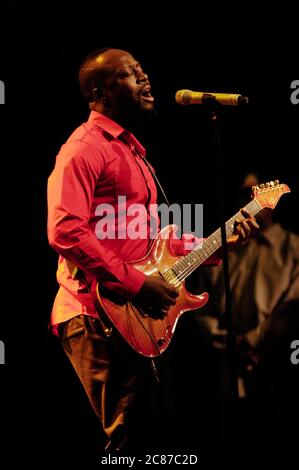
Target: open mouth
point(146, 95)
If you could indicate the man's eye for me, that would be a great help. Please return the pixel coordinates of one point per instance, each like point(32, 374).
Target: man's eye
point(127, 73)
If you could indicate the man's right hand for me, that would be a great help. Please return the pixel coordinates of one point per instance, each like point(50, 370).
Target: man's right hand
point(156, 296)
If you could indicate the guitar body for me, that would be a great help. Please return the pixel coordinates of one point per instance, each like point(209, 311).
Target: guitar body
point(149, 336)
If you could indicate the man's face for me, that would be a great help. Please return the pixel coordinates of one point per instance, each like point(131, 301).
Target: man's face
point(127, 89)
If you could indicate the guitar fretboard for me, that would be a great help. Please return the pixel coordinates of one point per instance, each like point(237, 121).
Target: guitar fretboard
point(187, 264)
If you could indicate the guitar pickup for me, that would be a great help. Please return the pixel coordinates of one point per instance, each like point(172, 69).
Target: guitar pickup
point(169, 276)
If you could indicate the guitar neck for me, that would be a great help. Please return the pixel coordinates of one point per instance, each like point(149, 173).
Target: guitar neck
point(187, 264)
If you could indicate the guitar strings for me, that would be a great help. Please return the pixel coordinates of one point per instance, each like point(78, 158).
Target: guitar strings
point(189, 269)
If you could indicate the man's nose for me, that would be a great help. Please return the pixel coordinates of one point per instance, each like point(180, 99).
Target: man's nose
point(142, 77)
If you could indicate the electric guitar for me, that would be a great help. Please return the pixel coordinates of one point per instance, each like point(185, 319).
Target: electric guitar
point(150, 336)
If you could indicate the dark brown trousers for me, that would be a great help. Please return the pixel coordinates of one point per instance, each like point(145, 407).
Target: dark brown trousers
point(119, 383)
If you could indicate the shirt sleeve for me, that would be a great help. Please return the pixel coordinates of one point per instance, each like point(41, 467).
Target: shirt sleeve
point(70, 194)
point(183, 246)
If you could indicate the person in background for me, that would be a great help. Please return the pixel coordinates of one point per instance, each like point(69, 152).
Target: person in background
point(264, 274)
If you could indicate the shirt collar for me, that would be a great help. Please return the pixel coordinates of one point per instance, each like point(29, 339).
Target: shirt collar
point(115, 130)
point(106, 124)
point(134, 143)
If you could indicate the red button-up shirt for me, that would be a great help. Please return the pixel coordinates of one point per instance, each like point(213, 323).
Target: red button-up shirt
point(99, 162)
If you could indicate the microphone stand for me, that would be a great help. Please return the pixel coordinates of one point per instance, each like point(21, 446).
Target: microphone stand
point(213, 108)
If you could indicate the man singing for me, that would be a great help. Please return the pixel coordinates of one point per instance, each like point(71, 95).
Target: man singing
point(100, 161)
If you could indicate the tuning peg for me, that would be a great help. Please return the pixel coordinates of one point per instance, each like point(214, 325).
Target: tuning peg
point(271, 183)
point(262, 186)
point(253, 188)
point(267, 185)
point(276, 182)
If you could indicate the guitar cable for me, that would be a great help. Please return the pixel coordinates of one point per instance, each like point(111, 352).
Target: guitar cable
point(167, 202)
point(153, 365)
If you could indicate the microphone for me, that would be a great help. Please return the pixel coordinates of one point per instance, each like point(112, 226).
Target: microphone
point(198, 97)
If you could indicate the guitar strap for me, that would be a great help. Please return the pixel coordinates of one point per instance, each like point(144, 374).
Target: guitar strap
point(153, 365)
point(156, 180)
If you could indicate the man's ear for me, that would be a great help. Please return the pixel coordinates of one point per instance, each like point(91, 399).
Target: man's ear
point(97, 94)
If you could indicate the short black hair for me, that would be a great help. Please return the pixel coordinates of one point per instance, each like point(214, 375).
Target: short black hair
point(89, 77)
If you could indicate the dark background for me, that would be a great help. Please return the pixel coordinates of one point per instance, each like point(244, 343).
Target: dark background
point(42, 47)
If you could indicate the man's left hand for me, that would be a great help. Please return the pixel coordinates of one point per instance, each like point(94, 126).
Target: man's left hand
point(244, 230)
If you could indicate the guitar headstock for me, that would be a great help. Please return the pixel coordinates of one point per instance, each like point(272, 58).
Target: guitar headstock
point(268, 194)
